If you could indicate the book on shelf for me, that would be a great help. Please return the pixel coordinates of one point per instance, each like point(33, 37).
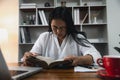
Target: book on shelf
point(20, 38)
point(39, 21)
point(25, 35)
point(76, 16)
point(22, 35)
point(48, 63)
point(42, 17)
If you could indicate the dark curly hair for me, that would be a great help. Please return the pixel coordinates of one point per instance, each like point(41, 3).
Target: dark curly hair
point(64, 14)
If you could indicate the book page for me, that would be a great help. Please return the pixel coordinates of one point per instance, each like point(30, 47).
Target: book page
point(48, 60)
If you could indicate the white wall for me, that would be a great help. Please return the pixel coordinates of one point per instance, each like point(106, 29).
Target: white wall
point(113, 17)
point(9, 29)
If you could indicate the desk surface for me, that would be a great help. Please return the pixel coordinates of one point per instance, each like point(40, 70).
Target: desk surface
point(63, 74)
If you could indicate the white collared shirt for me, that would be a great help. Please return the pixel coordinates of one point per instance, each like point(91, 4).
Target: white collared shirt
point(47, 45)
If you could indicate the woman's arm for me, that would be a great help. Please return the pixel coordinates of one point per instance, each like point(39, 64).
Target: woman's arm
point(27, 55)
point(25, 58)
point(81, 60)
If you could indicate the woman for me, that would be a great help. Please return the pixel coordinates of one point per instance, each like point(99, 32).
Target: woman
point(63, 41)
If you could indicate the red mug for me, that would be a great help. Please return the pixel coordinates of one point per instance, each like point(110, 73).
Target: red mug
point(111, 64)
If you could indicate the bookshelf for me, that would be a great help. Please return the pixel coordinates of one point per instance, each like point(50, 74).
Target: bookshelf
point(89, 16)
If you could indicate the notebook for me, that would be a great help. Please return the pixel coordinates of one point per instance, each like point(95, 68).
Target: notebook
point(15, 72)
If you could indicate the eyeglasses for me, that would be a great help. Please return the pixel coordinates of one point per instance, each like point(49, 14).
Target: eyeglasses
point(58, 28)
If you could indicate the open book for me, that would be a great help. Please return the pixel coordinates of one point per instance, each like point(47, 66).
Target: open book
point(47, 62)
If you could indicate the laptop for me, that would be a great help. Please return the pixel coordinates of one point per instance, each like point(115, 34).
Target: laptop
point(15, 72)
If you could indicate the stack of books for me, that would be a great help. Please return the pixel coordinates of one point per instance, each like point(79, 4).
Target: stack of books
point(28, 5)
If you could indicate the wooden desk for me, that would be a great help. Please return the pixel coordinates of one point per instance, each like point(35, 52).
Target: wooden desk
point(63, 74)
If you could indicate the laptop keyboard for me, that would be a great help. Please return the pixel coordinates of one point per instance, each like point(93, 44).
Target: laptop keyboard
point(16, 72)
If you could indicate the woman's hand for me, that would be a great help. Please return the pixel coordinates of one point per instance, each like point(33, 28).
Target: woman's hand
point(74, 59)
point(80, 60)
point(26, 56)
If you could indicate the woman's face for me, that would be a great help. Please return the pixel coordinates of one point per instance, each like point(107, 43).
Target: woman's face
point(59, 28)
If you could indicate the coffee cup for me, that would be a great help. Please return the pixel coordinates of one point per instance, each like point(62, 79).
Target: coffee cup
point(111, 63)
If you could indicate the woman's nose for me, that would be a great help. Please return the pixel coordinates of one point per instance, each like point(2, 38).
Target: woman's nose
point(58, 30)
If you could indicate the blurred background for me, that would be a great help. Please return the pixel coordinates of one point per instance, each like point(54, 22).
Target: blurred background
point(9, 29)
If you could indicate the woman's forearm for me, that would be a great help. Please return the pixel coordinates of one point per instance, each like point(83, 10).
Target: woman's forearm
point(85, 60)
point(80, 60)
